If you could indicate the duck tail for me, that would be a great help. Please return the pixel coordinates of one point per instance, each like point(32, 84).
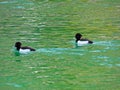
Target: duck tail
point(90, 42)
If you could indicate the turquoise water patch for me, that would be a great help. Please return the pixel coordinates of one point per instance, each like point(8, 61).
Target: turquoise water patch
point(14, 85)
point(60, 51)
point(108, 53)
point(7, 2)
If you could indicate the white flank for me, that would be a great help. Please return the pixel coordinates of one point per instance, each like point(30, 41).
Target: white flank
point(80, 43)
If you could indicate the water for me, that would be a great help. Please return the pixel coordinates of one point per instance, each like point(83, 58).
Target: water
point(49, 26)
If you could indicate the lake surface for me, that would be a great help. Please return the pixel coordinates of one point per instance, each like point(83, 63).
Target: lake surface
point(49, 26)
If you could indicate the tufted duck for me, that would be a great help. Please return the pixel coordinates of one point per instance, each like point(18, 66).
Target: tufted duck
point(23, 50)
point(81, 41)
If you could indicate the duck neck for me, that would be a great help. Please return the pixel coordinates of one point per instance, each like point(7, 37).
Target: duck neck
point(18, 48)
point(78, 39)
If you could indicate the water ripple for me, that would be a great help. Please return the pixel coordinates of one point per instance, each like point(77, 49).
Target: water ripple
point(7, 2)
point(14, 84)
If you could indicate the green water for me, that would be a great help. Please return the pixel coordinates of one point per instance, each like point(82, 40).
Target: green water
point(49, 26)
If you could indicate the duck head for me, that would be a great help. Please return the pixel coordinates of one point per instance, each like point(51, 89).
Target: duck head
point(18, 45)
point(78, 36)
